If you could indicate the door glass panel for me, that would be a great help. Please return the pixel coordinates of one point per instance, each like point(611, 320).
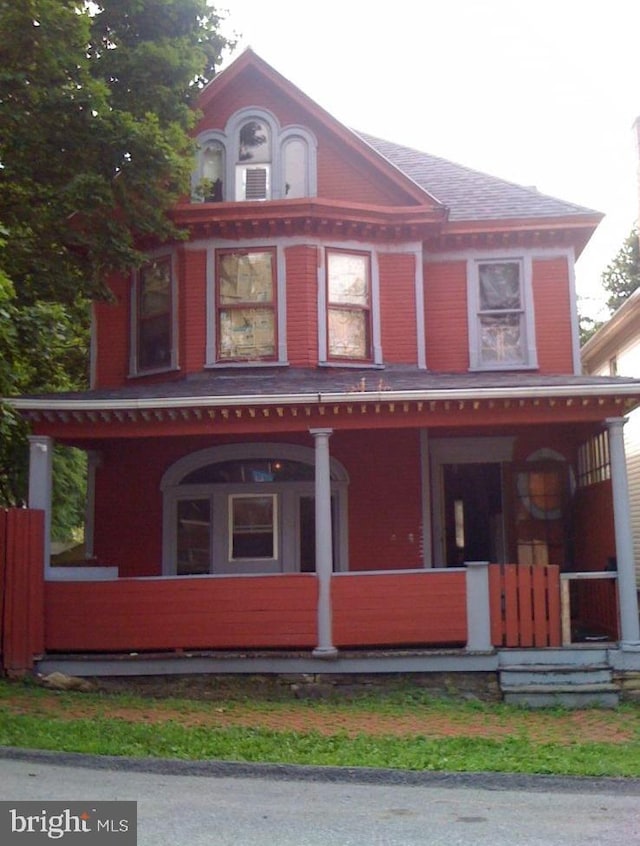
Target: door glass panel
point(253, 531)
point(194, 537)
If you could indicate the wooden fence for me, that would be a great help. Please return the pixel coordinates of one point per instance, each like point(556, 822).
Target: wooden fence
point(525, 605)
point(21, 589)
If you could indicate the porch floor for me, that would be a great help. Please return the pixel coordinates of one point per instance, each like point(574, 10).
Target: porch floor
point(347, 661)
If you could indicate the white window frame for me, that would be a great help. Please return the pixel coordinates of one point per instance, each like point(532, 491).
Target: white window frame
point(529, 354)
point(288, 495)
point(280, 305)
point(375, 360)
point(173, 364)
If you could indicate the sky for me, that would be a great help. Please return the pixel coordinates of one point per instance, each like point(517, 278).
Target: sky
point(543, 93)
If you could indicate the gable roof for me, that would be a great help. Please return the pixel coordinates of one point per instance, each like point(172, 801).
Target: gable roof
point(470, 194)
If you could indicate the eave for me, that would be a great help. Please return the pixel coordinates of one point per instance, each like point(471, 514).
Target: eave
point(515, 232)
point(309, 217)
point(354, 409)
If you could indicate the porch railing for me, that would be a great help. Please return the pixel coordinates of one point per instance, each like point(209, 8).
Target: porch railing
point(525, 605)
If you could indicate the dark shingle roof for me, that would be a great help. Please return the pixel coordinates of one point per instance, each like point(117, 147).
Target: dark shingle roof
point(311, 383)
point(470, 194)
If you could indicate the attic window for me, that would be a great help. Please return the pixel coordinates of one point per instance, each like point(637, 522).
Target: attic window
point(254, 161)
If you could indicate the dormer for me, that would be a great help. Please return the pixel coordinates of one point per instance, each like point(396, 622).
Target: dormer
point(254, 158)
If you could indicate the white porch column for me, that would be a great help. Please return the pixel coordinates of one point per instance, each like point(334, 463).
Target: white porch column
point(478, 607)
point(627, 589)
point(324, 543)
point(40, 482)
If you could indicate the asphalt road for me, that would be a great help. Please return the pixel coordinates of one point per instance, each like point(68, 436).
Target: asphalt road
point(193, 804)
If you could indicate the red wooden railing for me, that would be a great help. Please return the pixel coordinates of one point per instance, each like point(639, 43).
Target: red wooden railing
point(21, 588)
point(525, 605)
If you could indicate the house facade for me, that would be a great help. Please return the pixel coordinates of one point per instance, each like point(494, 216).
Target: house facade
point(320, 420)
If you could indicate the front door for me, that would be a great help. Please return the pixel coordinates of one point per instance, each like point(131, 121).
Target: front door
point(473, 513)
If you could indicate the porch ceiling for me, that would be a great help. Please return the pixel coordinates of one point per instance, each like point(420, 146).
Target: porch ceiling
point(244, 399)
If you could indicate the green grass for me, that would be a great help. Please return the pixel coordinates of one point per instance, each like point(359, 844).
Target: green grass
point(101, 734)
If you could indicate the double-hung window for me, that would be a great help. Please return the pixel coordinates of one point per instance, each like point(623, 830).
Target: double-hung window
point(348, 305)
point(154, 316)
point(246, 305)
point(501, 323)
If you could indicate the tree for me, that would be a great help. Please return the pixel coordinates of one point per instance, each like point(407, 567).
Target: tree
point(622, 275)
point(96, 107)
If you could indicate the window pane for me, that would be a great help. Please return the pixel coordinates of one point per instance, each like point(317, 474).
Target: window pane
point(501, 339)
point(194, 534)
point(212, 174)
point(348, 281)
point(295, 169)
point(348, 333)
point(250, 471)
point(155, 289)
point(254, 142)
point(499, 286)
point(246, 278)
point(154, 316)
point(247, 333)
point(252, 527)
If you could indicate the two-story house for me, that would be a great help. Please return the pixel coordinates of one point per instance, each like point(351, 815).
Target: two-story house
point(359, 373)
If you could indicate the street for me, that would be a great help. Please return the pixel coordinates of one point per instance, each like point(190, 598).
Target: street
point(202, 805)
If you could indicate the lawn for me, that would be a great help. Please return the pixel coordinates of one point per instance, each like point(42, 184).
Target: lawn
point(405, 728)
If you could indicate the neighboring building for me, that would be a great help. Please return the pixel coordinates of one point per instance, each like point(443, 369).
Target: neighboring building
point(614, 350)
point(360, 371)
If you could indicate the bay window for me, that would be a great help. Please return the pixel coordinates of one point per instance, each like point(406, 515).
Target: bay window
point(246, 318)
point(348, 305)
point(153, 298)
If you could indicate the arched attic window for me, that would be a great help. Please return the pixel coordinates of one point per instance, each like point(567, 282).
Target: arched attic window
point(295, 159)
point(209, 180)
point(253, 168)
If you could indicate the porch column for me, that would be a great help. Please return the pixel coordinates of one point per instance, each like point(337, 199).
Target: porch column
point(40, 482)
point(478, 608)
point(324, 543)
point(627, 589)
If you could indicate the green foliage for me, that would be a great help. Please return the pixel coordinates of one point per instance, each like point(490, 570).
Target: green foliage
point(622, 276)
point(95, 114)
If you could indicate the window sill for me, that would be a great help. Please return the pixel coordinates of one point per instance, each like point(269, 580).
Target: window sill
point(140, 374)
point(225, 365)
point(494, 368)
point(352, 365)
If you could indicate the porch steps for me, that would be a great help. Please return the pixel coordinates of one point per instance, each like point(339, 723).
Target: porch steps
point(573, 678)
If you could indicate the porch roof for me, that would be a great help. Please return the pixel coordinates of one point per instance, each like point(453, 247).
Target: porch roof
point(263, 386)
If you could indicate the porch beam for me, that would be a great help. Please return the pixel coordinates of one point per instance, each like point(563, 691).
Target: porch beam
point(40, 486)
point(324, 543)
point(627, 589)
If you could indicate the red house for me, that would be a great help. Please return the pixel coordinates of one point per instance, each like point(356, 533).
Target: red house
point(346, 413)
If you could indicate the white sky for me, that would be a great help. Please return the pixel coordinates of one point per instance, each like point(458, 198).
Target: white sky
point(542, 93)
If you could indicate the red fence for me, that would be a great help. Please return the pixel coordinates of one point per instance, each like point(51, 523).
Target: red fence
point(525, 605)
point(21, 588)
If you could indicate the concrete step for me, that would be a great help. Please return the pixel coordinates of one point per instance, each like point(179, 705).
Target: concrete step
point(549, 675)
point(556, 696)
point(564, 656)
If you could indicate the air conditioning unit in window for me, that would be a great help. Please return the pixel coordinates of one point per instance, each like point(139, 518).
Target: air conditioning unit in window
point(255, 183)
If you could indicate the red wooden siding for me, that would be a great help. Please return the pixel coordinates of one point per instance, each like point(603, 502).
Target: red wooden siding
point(525, 605)
point(446, 319)
point(595, 543)
point(21, 588)
point(192, 310)
point(404, 609)
point(302, 305)
point(112, 337)
point(552, 302)
point(132, 615)
point(398, 308)
point(384, 517)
